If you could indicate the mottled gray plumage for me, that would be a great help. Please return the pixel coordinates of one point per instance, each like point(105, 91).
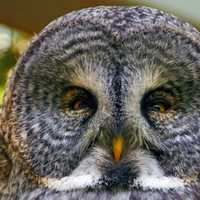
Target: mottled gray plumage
point(92, 82)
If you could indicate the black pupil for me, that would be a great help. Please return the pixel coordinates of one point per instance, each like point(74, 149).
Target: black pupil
point(156, 101)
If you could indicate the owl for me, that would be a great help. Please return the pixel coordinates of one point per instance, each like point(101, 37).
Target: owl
point(104, 104)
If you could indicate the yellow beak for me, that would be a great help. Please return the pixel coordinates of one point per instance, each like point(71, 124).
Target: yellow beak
point(117, 144)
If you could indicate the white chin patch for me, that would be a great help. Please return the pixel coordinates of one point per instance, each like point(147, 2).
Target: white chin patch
point(152, 176)
point(70, 183)
point(161, 183)
point(84, 176)
point(87, 174)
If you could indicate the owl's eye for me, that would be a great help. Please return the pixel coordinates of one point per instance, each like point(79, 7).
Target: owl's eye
point(79, 101)
point(158, 104)
point(80, 104)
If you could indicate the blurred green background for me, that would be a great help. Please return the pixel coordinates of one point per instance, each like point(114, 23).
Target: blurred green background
point(19, 20)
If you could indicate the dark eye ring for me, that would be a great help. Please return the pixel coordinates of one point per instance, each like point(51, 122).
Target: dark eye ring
point(79, 100)
point(156, 103)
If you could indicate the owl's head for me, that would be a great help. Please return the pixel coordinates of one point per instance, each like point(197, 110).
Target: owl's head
point(108, 97)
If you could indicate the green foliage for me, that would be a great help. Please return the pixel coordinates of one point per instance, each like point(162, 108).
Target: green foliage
point(12, 44)
point(1, 92)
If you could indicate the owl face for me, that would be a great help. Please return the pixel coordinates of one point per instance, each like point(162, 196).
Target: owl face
point(109, 97)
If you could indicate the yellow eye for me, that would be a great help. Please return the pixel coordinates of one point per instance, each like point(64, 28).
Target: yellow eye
point(162, 108)
point(68, 95)
point(79, 100)
point(79, 104)
point(158, 105)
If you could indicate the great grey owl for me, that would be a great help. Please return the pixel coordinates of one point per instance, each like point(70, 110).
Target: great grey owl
point(104, 104)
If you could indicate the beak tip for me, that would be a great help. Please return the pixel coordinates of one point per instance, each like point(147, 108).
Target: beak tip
point(117, 144)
